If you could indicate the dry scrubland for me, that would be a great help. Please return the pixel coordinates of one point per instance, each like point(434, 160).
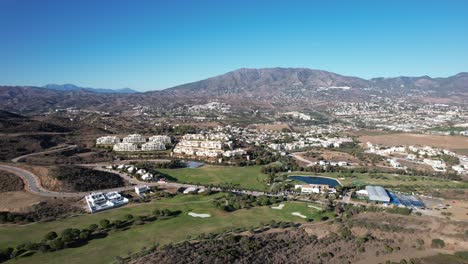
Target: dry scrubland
point(10, 182)
point(455, 143)
point(365, 238)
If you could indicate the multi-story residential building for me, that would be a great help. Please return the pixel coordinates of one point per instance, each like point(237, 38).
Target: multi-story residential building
point(134, 138)
point(233, 153)
point(160, 138)
point(125, 147)
point(107, 140)
point(153, 146)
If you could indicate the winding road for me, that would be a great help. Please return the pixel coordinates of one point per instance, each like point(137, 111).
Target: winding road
point(67, 147)
point(33, 184)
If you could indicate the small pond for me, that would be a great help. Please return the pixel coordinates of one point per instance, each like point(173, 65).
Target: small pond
point(316, 180)
point(194, 164)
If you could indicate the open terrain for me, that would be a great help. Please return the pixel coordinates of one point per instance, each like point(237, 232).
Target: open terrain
point(10, 182)
point(245, 177)
point(161, 231)
point(398, 139)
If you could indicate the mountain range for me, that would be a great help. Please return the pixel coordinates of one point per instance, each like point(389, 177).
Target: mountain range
point(267, 87)
point(72, 87)
point(268, 80)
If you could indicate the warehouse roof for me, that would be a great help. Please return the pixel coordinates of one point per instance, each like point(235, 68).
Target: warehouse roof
point(377, 193)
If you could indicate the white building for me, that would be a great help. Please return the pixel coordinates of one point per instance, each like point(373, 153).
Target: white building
point(233, 153)
point(107, 140)
point(190, 189)
point(134, 138)
point(142, 189)
point(193, 137)
point(161, 139)
point(147, 176)
point(211, 144)
point(153, 146)
point(125, 147)
point(312, 188)
point(101, 201)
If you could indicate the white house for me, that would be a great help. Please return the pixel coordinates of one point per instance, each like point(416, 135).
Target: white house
point(142, 189)
point(147, 176)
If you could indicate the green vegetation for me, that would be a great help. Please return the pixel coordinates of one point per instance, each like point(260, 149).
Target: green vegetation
point(437, 243)
point(249, 178)
point(231, 202)
point(450, 160)
point(104, 250)
point(151, 166)
point(398, 210)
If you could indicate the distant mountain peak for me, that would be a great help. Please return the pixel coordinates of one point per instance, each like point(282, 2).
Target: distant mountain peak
point(72, 87)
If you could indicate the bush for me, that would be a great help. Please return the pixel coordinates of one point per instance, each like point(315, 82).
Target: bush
point(104, 223)
point(93, 227)
point(437, 243)
point(51, 235)
point(56, 244)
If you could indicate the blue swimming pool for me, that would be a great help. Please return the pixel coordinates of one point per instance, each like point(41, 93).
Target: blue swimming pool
point(316, 180)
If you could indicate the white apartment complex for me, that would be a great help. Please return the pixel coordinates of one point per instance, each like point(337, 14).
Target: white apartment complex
point(134, 138)
point(125, 147)
point(210, 145)
point(107, 140)
point(135, 142)
point(161, 139)
point(153, 146)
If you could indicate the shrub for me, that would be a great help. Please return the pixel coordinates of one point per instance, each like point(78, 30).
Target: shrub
point(93, 227)
point(437, 243)
point(56, 244)
point(51, 235)
point(104, 223)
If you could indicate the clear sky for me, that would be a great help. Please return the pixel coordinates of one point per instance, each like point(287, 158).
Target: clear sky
point(149, 45)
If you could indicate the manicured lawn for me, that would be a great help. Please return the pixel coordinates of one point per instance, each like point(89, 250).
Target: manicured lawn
point(249, 177)
point(390, 180)
point(117, 243)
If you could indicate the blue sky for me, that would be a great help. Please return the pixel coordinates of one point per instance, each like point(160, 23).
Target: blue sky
point(149, 45)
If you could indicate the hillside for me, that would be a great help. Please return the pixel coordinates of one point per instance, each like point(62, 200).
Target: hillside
point(270, 81)
point(72, 87)
point(268, 87)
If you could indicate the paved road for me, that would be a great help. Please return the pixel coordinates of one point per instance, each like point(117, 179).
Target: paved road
point(68, 147)
point(33, 185)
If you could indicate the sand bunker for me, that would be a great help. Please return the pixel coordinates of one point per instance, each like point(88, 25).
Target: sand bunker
point(279, 207)
point(299, 214)
point(199, 215)
point(315, 207)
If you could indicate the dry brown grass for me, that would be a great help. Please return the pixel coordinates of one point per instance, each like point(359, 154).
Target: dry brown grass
point(19, 201)
point(448, 142)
